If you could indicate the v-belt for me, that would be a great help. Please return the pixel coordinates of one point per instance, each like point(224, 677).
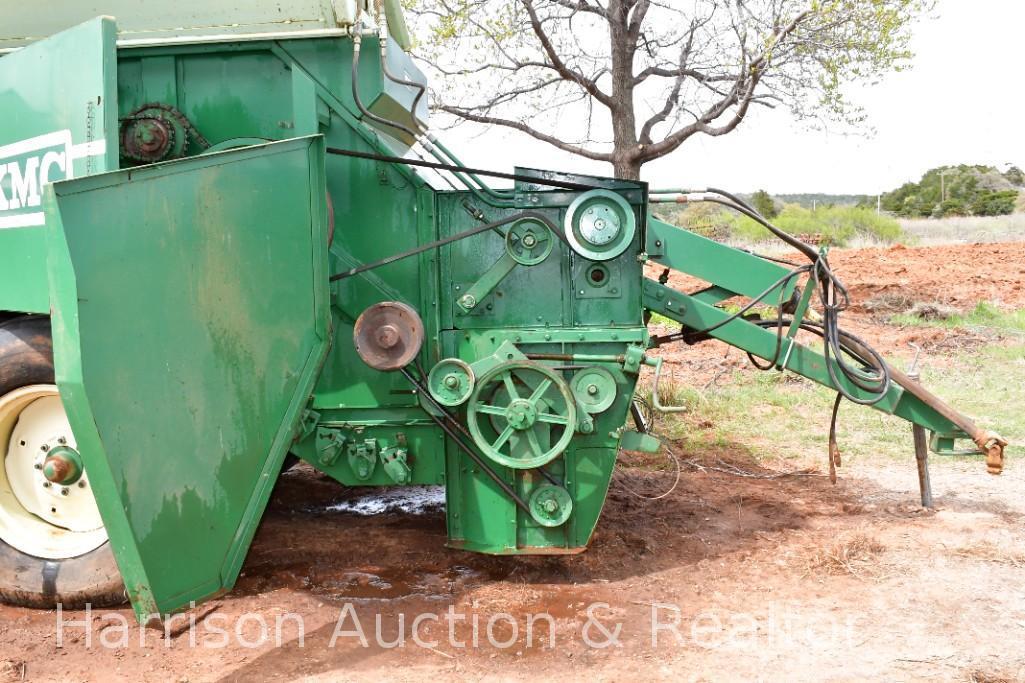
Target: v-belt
point(561, 184)
point(449, 240)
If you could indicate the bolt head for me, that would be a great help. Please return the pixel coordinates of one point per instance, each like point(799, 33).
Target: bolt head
point(64, 492)
point(592, 389)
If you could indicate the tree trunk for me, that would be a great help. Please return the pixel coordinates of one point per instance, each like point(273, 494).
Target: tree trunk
point(627, 168)
point(624, 120)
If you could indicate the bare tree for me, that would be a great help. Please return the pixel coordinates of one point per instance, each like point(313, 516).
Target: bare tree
point(635, 79)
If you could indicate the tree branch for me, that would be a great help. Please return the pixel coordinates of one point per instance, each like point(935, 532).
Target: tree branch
point(524, 128)
point(569, 74)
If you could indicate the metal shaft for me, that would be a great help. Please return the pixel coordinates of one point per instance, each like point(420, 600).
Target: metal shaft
point(922, 458)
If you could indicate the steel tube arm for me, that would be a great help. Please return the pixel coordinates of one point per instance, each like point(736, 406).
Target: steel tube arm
point(905, 398)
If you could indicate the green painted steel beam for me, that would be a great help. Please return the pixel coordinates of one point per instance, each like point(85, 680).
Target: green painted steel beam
point(730, 269)
point(761, 342)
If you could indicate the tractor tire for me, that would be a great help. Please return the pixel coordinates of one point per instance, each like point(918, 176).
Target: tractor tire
point(43, 581)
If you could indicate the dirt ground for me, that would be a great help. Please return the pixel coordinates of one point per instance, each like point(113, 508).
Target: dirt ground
point(883, 281)
point(737, 574)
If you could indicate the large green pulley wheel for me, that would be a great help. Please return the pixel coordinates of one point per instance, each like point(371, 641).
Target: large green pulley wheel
point(522, 414)
point(53, 545)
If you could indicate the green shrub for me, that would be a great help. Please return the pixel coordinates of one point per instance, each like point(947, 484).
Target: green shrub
point(837, 225)
point(995, 203)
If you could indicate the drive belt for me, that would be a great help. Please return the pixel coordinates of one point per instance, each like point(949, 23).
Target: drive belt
point(536, 215)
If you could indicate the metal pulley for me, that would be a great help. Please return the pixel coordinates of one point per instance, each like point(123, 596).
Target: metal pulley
point(550, 505)
point(529, 241)
point(522, 414)
point(600, 225)
point(450, 382)
point(388, 335)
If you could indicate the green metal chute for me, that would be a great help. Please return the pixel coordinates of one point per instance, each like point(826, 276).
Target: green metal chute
point(190, 323)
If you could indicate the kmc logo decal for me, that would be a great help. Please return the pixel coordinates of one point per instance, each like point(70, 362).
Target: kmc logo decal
point(29, 165)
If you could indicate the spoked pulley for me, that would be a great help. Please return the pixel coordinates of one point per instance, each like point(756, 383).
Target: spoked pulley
point(522, 414)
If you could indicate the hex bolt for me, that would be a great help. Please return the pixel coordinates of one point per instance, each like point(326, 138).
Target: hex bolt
point(45, 447)
point(38, 466)
point(81, 484)
point(64, 492)
point(47, 484)
point(61, 440)
point(592, 389)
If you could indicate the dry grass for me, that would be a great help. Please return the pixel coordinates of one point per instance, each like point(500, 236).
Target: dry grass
point(963, 230)
point(855, 556)
point(978, 676)
point(991, 552)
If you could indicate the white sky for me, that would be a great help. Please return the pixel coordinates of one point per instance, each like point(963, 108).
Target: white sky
point(963, 101)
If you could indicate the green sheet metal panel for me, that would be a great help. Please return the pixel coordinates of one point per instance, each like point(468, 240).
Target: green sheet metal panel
point(58, 119)
point(174, 21)
point(190, 323)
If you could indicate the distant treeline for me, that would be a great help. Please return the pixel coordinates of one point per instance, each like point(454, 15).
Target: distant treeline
point(958, 191)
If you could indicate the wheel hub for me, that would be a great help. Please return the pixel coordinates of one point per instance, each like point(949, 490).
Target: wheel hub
point(48, 509)
point(521, 414)
point(63, 466)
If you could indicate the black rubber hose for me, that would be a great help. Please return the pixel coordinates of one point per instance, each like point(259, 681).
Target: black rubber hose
point(359, 102)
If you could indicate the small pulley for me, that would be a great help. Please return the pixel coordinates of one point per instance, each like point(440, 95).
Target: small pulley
point(450, 382)
point(594, 388)
point(550, 505)
point(529, 241)
point(388, 335)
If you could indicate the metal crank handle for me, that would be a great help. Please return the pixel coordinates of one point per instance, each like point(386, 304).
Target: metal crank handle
point(655, 403)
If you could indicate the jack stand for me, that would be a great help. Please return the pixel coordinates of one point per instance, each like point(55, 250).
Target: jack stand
point(921, 444)
point(921, 456)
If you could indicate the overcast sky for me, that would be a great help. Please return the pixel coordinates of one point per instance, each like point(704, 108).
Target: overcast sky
point(963, 101)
